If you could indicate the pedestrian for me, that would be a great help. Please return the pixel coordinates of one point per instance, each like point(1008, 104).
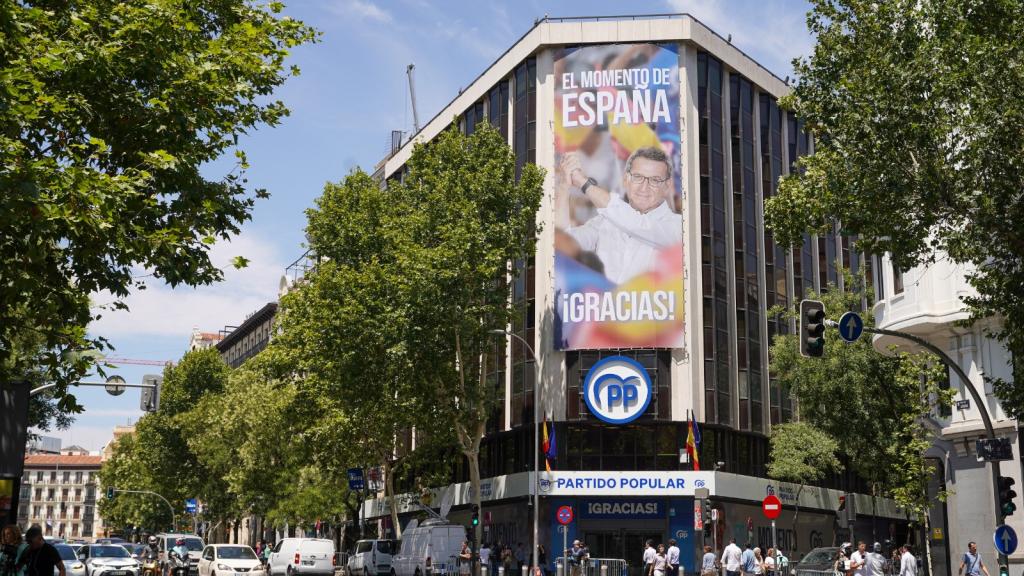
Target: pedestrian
point(485, 555)
point(708, 564)
point(781, 563)
point(12, 548)
point(758, 562)
point(542, 559)
point(41, 558)
point(649, 554)
point(660, 565)
point(769, 562)
point(508, 560)
point(573, 557)
point(732, 558)
point(908, 564)
point(874, 563)
point(672, 555)
point(747, 560)
point(973, 562)
point(520, 555)
point(859, 559)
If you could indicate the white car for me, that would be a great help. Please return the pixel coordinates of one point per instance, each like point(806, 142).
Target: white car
point(72, 565)
point(108, 560)
point(229, 560)
point(302, 556)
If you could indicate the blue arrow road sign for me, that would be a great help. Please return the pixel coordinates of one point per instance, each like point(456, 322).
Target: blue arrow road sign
point(355, 479)
point(191, 506)
point(851, 326)
point(1005, 539)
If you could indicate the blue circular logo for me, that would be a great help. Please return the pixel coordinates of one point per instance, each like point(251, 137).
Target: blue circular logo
point(617, 390)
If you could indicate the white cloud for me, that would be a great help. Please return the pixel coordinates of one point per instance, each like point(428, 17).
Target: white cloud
point(772, 32)
point(362, 9)
point(161, 311)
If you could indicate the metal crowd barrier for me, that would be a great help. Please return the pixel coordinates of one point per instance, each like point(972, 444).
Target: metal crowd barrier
point(805, 572)
point(593, 567)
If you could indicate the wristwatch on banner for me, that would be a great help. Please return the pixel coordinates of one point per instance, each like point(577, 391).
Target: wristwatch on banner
point(590, 182)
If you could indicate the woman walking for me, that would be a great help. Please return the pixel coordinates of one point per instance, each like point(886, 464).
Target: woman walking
point(660, 564)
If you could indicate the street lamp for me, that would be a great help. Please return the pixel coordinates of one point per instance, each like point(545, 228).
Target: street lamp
point(536, 439)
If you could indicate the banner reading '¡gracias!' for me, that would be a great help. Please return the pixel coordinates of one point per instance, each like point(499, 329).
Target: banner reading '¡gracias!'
point(618, 222)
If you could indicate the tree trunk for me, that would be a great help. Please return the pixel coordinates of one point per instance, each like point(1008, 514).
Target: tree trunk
point(928, 542)
point(389, 493)
point(473, 455)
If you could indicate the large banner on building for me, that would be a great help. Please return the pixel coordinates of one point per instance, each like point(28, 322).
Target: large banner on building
point(618, 222)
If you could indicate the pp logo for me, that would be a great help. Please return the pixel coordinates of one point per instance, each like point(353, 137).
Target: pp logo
point(545, 485)
point(617, 390)
point(698, 484)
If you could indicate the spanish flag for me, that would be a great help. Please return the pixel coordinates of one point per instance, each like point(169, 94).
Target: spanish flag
point(692, 441)
point(550, 450)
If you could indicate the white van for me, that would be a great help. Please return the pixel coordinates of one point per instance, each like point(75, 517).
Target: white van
point(371, 558)
point(429, 549)
point(294, 556)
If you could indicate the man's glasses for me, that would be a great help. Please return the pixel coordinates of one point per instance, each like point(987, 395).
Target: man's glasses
point(654, 182)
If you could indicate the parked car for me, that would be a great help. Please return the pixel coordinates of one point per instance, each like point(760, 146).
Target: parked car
point(229, 560)
point(294, 556)
point(428, 549)
point(371, 557)
point(194, 544)
point(108, 560)
point(72, 565)
point(815, 561)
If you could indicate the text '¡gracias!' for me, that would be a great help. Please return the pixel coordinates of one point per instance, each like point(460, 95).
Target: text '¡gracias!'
point(624, 306)
point(624, 96)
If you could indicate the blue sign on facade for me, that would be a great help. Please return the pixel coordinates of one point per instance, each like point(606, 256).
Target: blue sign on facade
point(191, 506)
point(622, 509)
point(851, 326)
point(617, 390)
point(355, 479)
point(1005, 539)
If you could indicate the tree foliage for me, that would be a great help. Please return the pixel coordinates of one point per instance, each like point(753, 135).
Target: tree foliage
point(876, 408)
point(108, 113)
point(916, 109)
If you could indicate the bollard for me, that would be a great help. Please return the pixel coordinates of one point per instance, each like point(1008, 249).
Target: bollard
point(560, 569)
point(501, 571)
point(682, 571)
point(525, 570)
point(483, 570)
point(604, 570)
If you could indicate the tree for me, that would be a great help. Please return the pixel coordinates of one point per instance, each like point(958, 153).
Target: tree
point(802, 454)
point(110, 110)
point(470, 220)
point(917, 110)
point(878, 408)
point(124, 471)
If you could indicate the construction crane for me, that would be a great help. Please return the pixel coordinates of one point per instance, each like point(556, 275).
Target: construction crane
point(412, 97)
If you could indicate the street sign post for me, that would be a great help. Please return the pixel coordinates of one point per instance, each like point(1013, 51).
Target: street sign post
point(851, 326)
point(191, 506)
point(564, 515)
point(771, 506)
point(1005, 539)
point(355, 479)
point(115, 386)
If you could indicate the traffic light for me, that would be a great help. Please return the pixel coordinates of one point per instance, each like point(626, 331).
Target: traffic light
point(707, 518)
point(110, 493)
point(149, 401)
point(1004, 570)
point(476, 515)
point(812, 328)
point(1006, 495)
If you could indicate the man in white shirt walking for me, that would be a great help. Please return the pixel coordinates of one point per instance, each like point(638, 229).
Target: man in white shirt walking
point(731, 558)
point(649, 554)
point(908, 564)
point(858, 559)
point(672, 556)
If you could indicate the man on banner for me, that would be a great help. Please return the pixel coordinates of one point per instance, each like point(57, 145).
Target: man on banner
point(693, 442)
point(627, 234)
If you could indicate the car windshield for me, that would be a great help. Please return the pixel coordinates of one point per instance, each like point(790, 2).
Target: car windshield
point(819, 556)
point(66, 553)
point(111, 551)
point(236, 553)
point(193, 544)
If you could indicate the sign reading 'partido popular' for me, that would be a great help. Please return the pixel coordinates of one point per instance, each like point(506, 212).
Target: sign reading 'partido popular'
point(618, 198)
point(680, 483)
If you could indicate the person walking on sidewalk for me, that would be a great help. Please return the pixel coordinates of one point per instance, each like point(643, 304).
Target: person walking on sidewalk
point(732, 557)
point(747, 560)
point(649, 554)
point(672, 555)
point(660, 566)
point(972, 562)
point(908, 564)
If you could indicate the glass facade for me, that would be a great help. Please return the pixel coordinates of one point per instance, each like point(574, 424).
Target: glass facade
point(714, 266)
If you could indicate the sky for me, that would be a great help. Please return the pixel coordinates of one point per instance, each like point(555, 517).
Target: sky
point(351, 94)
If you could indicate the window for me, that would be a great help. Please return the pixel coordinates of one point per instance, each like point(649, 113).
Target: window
point(67, 477)
point(53, 477)
point(39, 476)
point(498, 107)
point(78, 494)
point(50, 494)
point(78, 477)
point(897, 279)
point(39, 494)
point(64, 495)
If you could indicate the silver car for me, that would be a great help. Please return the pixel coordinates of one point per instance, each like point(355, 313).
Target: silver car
point(72, 565)
point(108, 560)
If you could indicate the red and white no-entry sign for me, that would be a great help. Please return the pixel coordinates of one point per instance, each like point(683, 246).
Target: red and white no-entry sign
point(771, 506)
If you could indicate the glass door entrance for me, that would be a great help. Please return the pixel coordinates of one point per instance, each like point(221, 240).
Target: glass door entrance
point(624, 544)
